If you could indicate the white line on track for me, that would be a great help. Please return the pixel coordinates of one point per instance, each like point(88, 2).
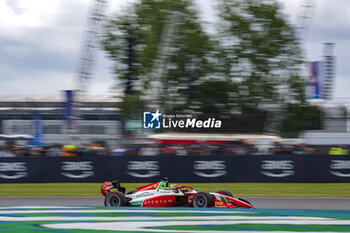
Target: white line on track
point(156, 218)
point(141, 226)
point(120, 210)
point(41, 207)
point(153, 223)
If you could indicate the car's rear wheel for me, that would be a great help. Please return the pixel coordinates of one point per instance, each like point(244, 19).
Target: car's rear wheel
point(115, 199)
point(224, 192)
point(203, 200)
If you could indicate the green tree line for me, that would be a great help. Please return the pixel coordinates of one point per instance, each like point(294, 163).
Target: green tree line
point(246, 64)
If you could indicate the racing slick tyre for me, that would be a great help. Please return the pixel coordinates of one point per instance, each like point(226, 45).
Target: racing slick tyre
point(116, 199)
point(203, 200)
point(224, 192)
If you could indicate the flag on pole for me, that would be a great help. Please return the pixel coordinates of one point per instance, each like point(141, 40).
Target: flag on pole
point(37, 130)
point(315, 80)
point(68, 109)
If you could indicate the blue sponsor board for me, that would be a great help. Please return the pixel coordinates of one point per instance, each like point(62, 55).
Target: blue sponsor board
point(247, 168)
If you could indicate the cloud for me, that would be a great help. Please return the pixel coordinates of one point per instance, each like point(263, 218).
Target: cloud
point(14, 5)
point(40, 42)
point(58, 32)
point(39, 46)
point(36, 82)
point(17, 51)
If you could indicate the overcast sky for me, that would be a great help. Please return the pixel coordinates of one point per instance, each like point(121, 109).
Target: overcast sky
point(40, 40)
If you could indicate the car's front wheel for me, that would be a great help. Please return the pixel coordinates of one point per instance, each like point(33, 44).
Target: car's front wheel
point(203, 200)
point(115, 199)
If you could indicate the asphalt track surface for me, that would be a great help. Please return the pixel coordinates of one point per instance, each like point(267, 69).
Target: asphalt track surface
point(258, 202)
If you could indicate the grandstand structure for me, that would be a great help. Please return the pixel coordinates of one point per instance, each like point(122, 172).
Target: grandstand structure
point(100, 119)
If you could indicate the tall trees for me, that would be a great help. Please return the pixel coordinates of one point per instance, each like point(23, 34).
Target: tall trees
point(178, 59)
point(249, 64)
point(263, 59)
point(262, 51)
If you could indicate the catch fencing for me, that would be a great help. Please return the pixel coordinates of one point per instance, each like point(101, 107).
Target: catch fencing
point(188, 169)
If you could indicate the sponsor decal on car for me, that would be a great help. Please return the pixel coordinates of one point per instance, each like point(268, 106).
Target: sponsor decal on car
point(219, 203)
point(158, 201)
point(144, 194)
point(136, 203)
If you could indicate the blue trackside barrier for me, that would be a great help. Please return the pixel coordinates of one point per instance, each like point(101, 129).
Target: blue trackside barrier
point(185, 169)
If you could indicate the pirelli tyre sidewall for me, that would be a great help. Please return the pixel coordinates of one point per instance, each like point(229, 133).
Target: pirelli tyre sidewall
point(116, 199)
point(203, 200)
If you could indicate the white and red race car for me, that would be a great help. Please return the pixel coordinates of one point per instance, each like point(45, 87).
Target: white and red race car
point(159, 194)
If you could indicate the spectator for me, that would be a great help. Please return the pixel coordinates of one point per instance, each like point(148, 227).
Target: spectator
point(5, 152)
point(338, 151)
point(300, 150)
point(241, 150)
point(204, 150)
point(149, 150)
point(131, 150)
point(54, 151)
point(180, 150)
point(229, 150)
point(168, 150)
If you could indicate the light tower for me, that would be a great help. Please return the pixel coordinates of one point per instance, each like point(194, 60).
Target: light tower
point(274, 116)
point(328, 71)
point(87, 57)
point(160, 69)
point(89, 46)
point(304, 18)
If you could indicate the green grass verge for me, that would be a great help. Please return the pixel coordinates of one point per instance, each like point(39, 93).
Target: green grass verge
point(237, 189)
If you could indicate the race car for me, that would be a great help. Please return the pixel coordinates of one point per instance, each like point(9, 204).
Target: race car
point(160, 194)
